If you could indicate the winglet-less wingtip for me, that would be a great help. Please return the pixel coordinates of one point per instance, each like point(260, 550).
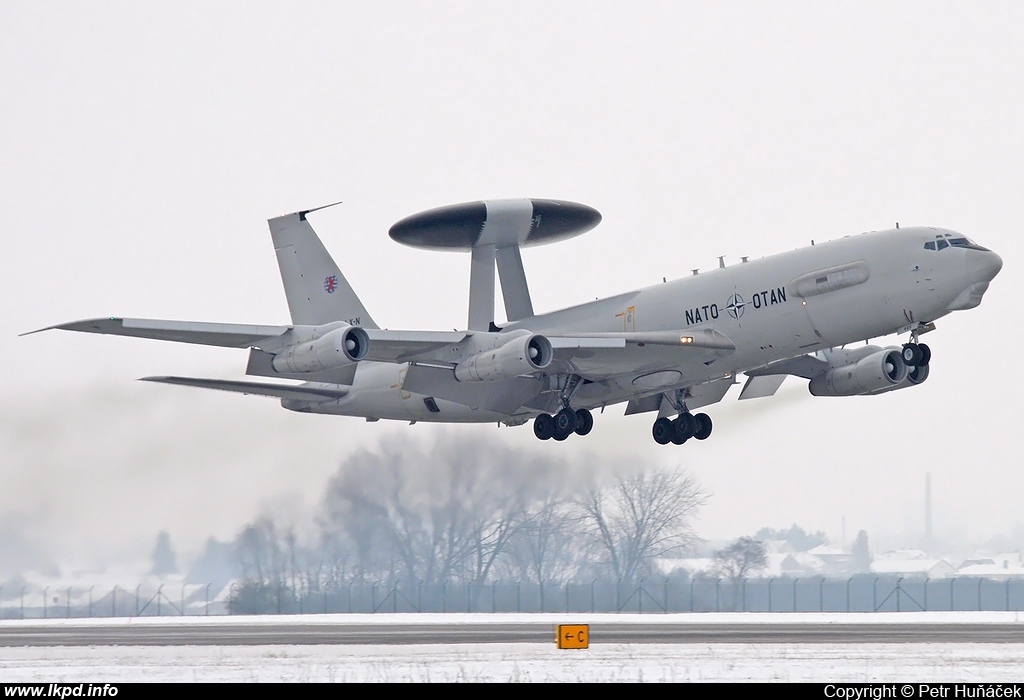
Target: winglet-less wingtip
point(302, 214)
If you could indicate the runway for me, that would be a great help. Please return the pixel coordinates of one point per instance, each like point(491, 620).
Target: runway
point(402, 629)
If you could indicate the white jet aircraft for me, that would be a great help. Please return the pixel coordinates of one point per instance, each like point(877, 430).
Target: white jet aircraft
point(666, 349)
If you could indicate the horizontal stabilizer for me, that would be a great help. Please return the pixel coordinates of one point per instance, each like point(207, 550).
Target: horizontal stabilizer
point(227, 335)
point(300, 392)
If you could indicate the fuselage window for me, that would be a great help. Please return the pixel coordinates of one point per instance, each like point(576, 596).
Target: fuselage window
point(943, 244)
point(930, 245)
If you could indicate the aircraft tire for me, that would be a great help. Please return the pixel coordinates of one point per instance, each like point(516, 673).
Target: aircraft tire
point(926, 354)
point(565, 421)
point(685, 426)
point(912, 354)
point(584, 421)
point(544, 427)
point(662, 431)
point(562, 436)
point(704, 425)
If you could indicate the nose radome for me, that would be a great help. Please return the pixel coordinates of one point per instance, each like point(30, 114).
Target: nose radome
point(990, 266)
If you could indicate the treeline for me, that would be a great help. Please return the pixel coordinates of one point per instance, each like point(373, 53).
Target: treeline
point(467, 511)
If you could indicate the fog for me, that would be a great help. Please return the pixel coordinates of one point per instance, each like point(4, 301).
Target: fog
point(146, 145)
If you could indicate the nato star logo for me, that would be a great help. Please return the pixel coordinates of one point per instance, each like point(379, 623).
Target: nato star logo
point(735, 306)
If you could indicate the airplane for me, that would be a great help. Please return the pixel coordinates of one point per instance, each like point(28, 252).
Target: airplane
point(667, 349)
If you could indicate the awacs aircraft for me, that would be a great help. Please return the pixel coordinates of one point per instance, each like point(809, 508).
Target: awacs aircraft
point(667, 349)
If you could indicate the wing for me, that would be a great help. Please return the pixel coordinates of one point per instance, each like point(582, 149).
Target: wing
point(227, 335)
point(300, 392)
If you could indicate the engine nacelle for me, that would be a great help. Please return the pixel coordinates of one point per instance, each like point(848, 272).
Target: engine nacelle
point(334, 349)
point(915, 375)
point(881, 369)
point(520, 355)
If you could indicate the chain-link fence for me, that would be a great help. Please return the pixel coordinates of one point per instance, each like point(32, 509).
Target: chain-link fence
point(856, 594)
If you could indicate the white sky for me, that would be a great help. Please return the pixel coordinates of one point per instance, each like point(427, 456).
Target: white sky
point(145, 145)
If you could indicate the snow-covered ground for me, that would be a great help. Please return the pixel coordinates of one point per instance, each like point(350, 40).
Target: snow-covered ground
point(531, 662)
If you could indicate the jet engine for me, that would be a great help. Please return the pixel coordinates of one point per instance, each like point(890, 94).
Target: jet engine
point(334, 349)
point(915, 375)
point(855, 372)
point(520, 355)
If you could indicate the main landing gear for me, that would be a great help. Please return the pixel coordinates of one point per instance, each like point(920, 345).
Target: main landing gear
point(916, 355)
point(563, 424)
point(678, 431)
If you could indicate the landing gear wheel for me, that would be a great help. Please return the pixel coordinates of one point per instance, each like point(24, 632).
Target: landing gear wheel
point(561, 436)
point(544, 426)
point(683, 428)
point(926, 354)
point(703, 430)
point(912, 354)
point(565, 421)
point(584, 421)
point(663, 431)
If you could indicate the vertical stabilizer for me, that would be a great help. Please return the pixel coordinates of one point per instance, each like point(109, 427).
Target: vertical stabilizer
point(317, 292)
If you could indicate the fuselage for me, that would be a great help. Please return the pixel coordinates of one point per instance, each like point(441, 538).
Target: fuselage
point(798, 302)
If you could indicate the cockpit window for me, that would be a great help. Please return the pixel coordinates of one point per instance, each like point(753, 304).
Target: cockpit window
point(930, 245)
point(943, 244)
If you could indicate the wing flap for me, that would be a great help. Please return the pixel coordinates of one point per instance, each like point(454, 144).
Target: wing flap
point(762, 386)
point(301, 392)
point(405, 346)
point(228, 335)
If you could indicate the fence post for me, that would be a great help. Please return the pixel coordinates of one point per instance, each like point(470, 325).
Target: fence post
point(794, 593)
point(666, 595)
point(848, 582)
point(821, 595)
point(541, 596)
point(206, 597)
point(394, 596)
point(69, 602)
point(692, 581)
point(419, 596)
point(979, 593)
point(46, 594)
point(874, 594)
point(350, 596)
point(566, 597)
point(183, 600)
point(519, 599)
point(640, 596)
point(90, 600)
point(113, 601)
point(592, 584)
point(718, 595)
point(23, 602)
point(137, 599)
point(770, 593)
point(1007, 595)
point(925, 601)
point(951, 582)
point(899, 589)
point(494, 596)
point(743, 595)
point(159, 595)
point(444, 596)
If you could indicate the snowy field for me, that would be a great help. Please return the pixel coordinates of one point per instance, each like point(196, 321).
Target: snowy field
point(530, 662)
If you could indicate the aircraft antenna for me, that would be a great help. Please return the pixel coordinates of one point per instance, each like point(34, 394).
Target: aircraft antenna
point(721, 261)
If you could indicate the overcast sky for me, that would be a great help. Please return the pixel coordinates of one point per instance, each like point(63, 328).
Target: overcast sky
point(144, 145)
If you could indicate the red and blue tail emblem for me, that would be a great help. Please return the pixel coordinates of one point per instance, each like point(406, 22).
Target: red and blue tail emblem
point(330, 284)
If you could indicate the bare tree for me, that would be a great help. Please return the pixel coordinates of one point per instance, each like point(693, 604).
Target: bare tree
point(643, 517)
point(547, 545)
point(742, 557)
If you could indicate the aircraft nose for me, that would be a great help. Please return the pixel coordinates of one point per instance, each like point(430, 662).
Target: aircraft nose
point(987, 265)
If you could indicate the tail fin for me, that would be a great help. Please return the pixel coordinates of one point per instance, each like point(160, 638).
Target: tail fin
point(317, 292)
